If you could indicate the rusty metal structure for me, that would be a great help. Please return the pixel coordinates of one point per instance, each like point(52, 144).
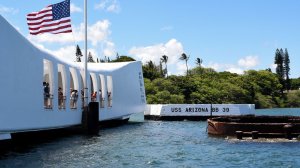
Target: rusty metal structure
point(255, 126)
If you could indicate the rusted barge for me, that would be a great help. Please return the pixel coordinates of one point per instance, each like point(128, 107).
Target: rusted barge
point(255, 126)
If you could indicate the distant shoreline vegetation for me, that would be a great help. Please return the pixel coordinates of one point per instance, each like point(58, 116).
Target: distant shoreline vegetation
point(206, 86)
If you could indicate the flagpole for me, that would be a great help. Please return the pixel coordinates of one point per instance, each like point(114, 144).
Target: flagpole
point(85, 56)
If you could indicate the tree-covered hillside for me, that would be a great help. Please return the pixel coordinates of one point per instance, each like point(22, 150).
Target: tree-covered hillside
point(261, 88)
point(202, 85)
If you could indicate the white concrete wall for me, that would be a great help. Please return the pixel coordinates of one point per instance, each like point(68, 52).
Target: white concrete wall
point(21, 76)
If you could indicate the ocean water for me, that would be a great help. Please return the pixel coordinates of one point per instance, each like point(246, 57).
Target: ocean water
point(163, 144)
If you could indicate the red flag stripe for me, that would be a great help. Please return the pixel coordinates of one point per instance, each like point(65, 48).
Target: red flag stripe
point(51, 30)
point(38, 23)
point(38, 13)
point(67, 31)
point(38, 18)
point(49, 25)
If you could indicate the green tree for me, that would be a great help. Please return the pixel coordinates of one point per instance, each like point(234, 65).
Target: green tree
point(295, 84)
point(199, 62)
point(269, 69)
point(123, 58)
point(266, 82)
point(78, 54)
point(204, 85)
point(90, 57)
point(201, 71)
point(266, 86)
point(286, 67)
point(161, 71)
point(164, 59)
point(151, 71)
point(279, 56)
point(149, 87)
point(187, 86)
point(185, 58)
point(264, 101)
point(117, 56)
point(293, 99)
point(166, 84)
point(162, 90)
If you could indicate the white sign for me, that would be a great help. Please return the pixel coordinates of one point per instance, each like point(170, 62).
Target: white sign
point(232, 109)
point(200, 109)
point(186, 110)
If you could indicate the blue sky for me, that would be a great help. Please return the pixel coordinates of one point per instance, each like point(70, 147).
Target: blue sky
point(228, 35)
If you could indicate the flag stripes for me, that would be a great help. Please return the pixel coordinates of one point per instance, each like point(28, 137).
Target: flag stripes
point(53, 19)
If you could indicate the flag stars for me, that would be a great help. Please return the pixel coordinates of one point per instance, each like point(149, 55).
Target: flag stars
point(61, 10)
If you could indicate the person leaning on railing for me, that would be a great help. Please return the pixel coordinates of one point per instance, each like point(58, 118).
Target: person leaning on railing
point(46, 94)
point(60, 98)
point(73, 98)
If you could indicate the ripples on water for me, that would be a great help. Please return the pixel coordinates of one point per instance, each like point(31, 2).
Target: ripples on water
point(153, 144)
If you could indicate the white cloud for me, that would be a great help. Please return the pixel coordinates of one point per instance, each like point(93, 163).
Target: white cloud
point(96, 33)
point(109, 49)
point(8, 10)
point(248, 62)
point(242, 65)
point(99, 31)
point(166, 28)
point(52, 38)
point(273, 67)
point(148, 53)
point(66, 53)
point(215, 66)
point(226, 67)
point(75, 8)
point(180, 68)
point(109, 6)
point(235, 70)
point(173, 49)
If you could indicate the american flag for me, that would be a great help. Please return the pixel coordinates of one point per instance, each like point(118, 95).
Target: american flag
point(54, 19)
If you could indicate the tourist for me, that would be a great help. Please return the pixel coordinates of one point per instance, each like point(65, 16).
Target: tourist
point(82, 97)
point(73, 98)
point(100, 94)
point(109, 99)
point(101, 99)
point(94, 96)
point(46, 94)
point(60, 98)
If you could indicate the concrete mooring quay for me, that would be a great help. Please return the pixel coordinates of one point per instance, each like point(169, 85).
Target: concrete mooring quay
point(195, 112)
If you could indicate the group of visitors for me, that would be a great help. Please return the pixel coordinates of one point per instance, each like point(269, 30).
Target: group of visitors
point(73, 97)
point(94, 96)
point(101, 98)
